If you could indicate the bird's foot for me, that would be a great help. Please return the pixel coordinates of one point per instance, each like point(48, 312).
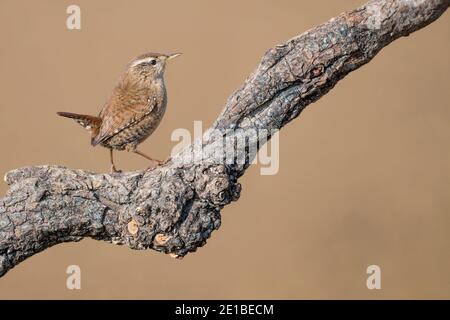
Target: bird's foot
point(114, 170)
point(167, 160)
point(156, 163)
point(161, 162)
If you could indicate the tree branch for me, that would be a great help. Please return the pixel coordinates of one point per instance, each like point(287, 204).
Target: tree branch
point(175, 207)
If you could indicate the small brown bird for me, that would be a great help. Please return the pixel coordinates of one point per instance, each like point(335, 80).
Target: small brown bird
point(134, 110)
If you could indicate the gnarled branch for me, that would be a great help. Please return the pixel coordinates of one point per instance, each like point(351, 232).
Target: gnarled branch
point(175, 208)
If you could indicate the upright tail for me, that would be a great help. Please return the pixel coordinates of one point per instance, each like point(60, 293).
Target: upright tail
point(90, 123)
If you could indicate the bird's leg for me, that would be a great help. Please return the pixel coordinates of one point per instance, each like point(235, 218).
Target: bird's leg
point(113, 167)
point(158, 162)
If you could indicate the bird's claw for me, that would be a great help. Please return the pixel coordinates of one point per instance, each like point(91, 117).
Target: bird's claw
point(114, 170)
point(157, 163)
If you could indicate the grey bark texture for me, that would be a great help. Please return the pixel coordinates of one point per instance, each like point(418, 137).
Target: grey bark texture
point(175, 207)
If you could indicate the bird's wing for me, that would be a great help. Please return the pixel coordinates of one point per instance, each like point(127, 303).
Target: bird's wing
point(118, 118)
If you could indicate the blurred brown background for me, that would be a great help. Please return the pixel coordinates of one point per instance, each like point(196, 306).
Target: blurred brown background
point(364, 173)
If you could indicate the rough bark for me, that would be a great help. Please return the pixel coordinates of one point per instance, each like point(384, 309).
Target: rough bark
point(175, 208)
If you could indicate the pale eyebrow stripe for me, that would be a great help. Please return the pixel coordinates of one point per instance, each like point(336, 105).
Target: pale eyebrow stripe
point(142, 60)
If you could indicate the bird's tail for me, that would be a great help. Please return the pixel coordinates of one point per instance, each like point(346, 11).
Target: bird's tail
point(90, 123)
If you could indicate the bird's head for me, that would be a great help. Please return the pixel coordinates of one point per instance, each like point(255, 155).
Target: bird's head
point(150, 66)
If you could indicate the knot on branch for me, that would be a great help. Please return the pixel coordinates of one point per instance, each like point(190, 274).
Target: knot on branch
point(176, 209)
point(217, 184)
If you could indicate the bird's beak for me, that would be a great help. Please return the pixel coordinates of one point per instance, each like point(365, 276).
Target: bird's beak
point(173, 55)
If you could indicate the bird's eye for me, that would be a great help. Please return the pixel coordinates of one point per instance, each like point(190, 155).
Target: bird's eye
point(152, 62)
